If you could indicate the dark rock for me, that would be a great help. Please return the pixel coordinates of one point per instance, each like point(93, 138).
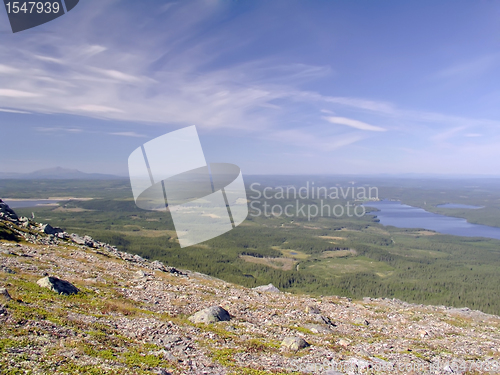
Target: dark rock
point(312, 310)
point(57, 285)
point(7, 213)
point(48, 229)
point(210, 315)
point(89, 241)
point(294, 343)
point(4, 294)
point(157, 265)
point(174, 270)
point(322, 319)
point(7, 270)
point(361, 321)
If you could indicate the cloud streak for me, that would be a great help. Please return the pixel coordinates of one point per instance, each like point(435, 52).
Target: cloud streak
point(129, 134)
point(173, 78)
point(12, 111)
point(17, 94)
point(354, 124)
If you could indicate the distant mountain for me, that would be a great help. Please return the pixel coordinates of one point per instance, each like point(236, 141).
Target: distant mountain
point(58, 173)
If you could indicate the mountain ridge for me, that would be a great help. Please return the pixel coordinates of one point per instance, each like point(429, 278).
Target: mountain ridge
point(58, 173)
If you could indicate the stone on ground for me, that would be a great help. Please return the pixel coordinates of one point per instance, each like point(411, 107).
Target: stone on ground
point(140, 274)
point(49, 229)
point(318, 328)
point(57, 285)
point(312, 310)
point(267, 288)
point(7, 213)
point(362, 321)
point(294, 343)
point(210, 315)
point(4, 294)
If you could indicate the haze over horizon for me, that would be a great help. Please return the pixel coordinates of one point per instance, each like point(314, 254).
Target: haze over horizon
point(282, 87)
point(69, 173)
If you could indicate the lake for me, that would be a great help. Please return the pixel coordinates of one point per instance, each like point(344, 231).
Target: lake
point(403, 216)
point(29, 202)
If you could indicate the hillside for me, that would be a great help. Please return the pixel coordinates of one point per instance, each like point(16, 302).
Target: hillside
point(58, 173)
point(132, 316)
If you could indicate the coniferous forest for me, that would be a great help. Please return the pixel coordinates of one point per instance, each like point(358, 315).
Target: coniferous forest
point(348, 256)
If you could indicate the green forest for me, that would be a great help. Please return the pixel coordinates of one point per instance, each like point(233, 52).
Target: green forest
point(347, 256)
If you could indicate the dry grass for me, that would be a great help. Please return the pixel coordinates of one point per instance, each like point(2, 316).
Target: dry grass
point(75, 209)
point(149, 232)
point(285, 264)
point(332, 238)
point(293, 254)
point(338, 253)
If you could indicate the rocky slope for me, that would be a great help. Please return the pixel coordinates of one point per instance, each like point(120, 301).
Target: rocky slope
point(128, 315)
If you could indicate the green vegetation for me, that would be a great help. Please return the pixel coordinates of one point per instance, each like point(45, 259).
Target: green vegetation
point(347, 256)
point(7, 234)
point(95, 340)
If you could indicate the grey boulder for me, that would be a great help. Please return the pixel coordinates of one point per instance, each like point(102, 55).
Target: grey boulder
point(267, 288)
point(294, 343)
point(210, 315)
point(7, 213)
point(318, 328)
point(312, 310)
point(77, 239)
point(57, 285)
point(140, 274)
point(49, 229)
point(321, 319)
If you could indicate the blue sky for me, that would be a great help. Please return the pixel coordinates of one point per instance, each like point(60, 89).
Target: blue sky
point(274, 86)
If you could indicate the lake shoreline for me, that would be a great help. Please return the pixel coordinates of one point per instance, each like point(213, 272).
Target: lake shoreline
point(394, 213)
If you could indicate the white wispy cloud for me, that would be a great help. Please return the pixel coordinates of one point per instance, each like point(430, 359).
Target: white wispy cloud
point(129, 134)
point(4, 69)
point(327, 111)
point(92, 108)
point(449, 133)
point(48, 129)
point(468, 68)
point(316, 140)
point(371, 105)
point(117, 75)
point(354, 124)
point(49, 59)
point(12, 111)
point(9, 93)
point(171, 78)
